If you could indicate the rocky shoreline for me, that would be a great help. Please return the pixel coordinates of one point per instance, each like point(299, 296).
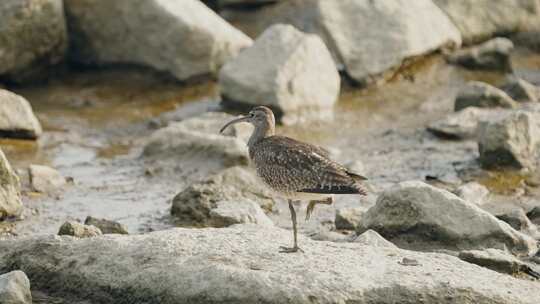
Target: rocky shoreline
point(109, 128)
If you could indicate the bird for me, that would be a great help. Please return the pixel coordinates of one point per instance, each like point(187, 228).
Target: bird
point(295, 170)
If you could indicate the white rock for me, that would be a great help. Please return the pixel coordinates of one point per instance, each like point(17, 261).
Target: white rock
point(17, 118)
point(32, 34)
point(463, 124)
point(194, 205)
point(372, 238)
point(212, 122)
point(198, 138)
point(368, 38)
point(184, 38)
point(242, 264)
point(529, 39)
point(429, 215)
point(10, 197)
point(79, 230)
point(511, 141)
point(473, 192)
point(45, 179)
point(479, 20)
point(285, 69)
point(482, 95)
point(15, 288)
point(243, 211)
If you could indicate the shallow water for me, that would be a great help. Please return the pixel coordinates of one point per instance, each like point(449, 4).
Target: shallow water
point(96, 121)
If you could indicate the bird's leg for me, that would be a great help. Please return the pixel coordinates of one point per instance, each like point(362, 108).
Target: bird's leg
point(311, 205)
point(295, 247)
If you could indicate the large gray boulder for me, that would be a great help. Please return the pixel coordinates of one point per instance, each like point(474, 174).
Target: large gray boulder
point(491, 55)
point(15, 288)
point(198, 138)
point(482, 95)
point(184, 38)
point(207, 202)
point(368, 38)
point(511, 141)
point(10, 196)
point(242, 264)
point(17, 119)
point(417, 214)
point(285, 69)
point(32, 36)
point(479, 20)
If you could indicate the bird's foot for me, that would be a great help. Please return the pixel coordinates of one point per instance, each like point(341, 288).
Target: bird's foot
point(309, 209)
point(311, 206)
point(284, 249)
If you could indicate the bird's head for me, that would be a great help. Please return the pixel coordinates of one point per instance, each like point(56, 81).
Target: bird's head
point(260, 117)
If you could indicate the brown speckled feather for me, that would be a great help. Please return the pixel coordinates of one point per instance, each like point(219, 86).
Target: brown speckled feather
point(290, 166)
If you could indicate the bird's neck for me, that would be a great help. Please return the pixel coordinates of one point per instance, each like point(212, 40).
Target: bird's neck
point(259, 133)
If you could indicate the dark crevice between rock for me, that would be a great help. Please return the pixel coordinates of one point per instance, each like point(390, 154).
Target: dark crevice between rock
point(18, 134)
point(498, 159)
point(425, 237)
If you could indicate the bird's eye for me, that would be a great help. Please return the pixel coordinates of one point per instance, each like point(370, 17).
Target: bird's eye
point(251, 115)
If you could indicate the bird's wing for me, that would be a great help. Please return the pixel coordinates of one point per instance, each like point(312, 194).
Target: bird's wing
point(306, 167)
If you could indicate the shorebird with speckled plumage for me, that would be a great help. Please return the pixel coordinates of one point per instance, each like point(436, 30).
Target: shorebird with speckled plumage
point(294, 170)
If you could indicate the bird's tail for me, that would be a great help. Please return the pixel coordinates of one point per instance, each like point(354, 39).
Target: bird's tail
point(358, 179)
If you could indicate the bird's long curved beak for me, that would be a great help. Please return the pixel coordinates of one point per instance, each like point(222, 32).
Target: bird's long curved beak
point(232, 122)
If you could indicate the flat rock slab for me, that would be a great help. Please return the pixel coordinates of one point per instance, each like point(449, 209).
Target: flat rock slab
point(242, 265)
